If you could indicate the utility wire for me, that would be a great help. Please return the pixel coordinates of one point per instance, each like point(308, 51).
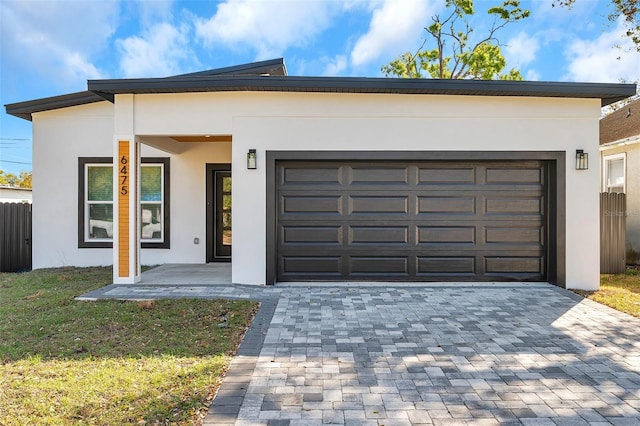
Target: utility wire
point(13, 162)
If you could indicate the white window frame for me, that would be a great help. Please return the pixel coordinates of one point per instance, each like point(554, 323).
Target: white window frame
point(605, 170)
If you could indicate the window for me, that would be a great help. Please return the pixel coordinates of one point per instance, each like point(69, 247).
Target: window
point(613, 173)
point(95, 202)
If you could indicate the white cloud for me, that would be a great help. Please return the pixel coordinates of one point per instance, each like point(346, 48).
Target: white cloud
point(532, 75)
point(55, 40)
point(80, 67)
point(609, 58)
point(335, 66)
point(395, 27)
point(159, 52)
point(521, 50)
point(268, 27)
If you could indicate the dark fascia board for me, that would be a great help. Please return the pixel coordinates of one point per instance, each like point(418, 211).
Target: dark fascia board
point(607, 92)
point(269, 67)
point(25, 109)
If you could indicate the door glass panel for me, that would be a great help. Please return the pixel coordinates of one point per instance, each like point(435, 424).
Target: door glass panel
point(226, 211)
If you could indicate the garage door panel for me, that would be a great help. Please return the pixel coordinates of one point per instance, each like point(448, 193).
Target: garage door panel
point(515, 176)
point(502, 205)
point(325, 266)
point(460, 205)
point(312, 235)
point(379, 265)
point(375, 235)
point(443, 266)
point(514, 264)
point(452, 175)
point(322, 204)
point(378, 204)
point(515, 235)
point(305, 175)
point(379, 175)
point(446, 234)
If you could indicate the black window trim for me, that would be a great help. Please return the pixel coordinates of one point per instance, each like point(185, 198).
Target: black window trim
point(82, 162)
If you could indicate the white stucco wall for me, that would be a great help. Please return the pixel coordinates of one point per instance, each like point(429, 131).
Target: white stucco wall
point(299, 121)
point(60, 137)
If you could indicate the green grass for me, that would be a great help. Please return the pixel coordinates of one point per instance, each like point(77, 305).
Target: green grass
point(109, 362)
point(620, 291)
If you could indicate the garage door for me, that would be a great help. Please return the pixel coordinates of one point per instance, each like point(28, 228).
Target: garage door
point(411, 221)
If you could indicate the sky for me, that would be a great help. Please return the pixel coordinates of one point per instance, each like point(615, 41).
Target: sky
point(52, 47)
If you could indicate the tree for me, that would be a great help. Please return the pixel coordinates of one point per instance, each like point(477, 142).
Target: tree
point(23, 180)
point(455, 55)
point(628, 9)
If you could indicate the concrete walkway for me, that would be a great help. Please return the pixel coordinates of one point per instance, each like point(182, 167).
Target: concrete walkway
point(423, 354)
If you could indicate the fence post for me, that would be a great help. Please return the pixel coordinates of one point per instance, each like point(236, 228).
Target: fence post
point(613, 212)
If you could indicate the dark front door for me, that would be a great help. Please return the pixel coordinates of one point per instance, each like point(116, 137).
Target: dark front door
point(219, 234)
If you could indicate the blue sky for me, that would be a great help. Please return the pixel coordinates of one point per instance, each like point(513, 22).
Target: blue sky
point(51, 47)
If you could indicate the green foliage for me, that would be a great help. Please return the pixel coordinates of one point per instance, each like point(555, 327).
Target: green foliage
point(22, 180)
point(455, 55)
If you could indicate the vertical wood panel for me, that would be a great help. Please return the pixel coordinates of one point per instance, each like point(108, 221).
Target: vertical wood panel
point(612, 233)
point(123, 208)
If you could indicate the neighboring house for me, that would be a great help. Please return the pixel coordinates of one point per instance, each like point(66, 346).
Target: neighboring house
point(12, 194)
point(620, 165)
point(334, 178)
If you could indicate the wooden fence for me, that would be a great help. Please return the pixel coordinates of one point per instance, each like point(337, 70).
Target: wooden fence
point(613, 208)
point(15, 237)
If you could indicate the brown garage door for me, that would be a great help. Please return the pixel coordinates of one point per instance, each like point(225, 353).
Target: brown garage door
point(411, 221)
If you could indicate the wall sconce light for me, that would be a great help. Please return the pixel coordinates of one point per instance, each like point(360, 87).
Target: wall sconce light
point(582, 160)
point(251, 159)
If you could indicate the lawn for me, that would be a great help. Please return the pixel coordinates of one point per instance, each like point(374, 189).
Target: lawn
point(621, 292)
point(109, 362)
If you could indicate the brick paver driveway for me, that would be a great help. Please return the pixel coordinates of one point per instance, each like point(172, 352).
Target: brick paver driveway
point(532, 354)
point(396, 355)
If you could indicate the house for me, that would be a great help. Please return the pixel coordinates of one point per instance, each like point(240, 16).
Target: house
point(620, 166)
point(13, 194)
point(334, 178)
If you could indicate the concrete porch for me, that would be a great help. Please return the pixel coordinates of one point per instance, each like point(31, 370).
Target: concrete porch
point(188, 274)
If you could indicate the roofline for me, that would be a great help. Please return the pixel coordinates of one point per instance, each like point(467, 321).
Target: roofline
point(632, 140)
point(275, 66)
point(607, 92)
point(27, 108)
point(100, 90)
point(15, 188)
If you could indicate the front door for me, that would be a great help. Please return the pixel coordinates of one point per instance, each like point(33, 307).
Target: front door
point(219, 213)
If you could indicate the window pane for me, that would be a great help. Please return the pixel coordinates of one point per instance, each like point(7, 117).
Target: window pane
point(100, 221)
point(615, 178)
point(100, 183)
point(151, 183)
point(151, 218)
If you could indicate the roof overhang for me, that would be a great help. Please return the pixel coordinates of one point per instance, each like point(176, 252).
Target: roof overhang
point(608, 93)
point(26, 109)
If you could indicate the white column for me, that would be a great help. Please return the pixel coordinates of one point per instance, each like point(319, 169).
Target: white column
point(126, 211)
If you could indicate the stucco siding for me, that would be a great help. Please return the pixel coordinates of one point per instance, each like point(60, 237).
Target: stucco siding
point(297, 122)
point(60, 137)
